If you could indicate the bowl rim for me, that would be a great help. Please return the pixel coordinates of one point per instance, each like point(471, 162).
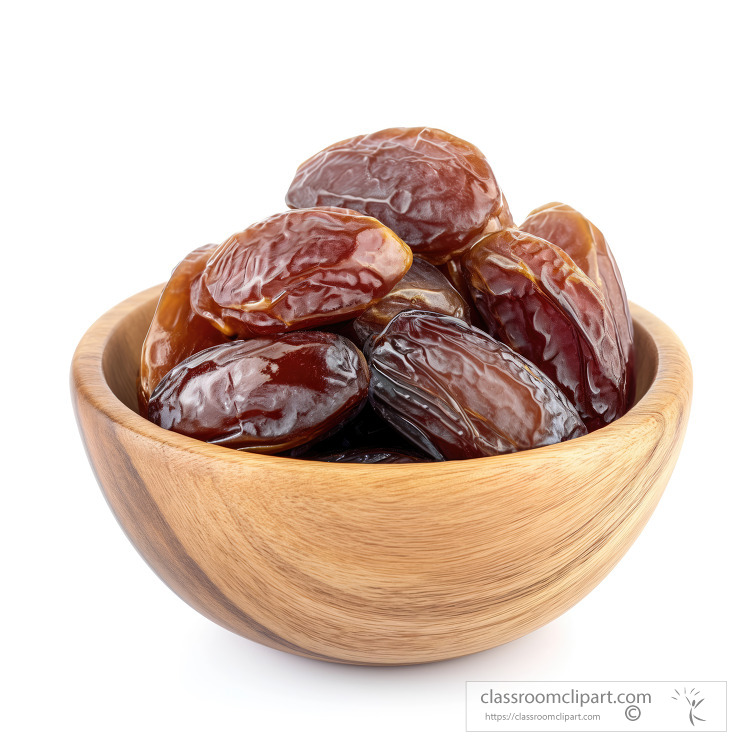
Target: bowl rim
point(673, 375)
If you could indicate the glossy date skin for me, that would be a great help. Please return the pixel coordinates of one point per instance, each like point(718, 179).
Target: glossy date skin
point(454, 272)
point(265, 395)
point(423, 287)
point(435, 191)
point(540, 303)
point(572, 232)
point(300, 269)
point(176, 332)
point(458, 393)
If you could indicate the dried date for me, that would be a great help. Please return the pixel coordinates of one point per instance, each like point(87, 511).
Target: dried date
point(453, 271)
point(436, 191)
point(422, 288)
point(540, 303)
point(176, 332)
point(267, 394)
point(300, 269)
point(457, 393)
point(572, 232)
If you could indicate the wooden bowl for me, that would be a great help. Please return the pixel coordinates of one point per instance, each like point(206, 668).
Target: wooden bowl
point(377, 564)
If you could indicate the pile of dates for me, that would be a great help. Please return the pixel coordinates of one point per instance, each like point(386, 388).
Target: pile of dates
point(396, 314)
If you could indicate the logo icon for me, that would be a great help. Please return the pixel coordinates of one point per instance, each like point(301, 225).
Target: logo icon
point(692, 701)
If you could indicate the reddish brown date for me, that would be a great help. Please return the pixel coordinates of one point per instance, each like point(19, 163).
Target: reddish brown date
point(458, 393)
point(265, 395)
point(454, 272)
point(299, 269)
point(423, 288)
point(435, 191)
point(572, 232)
point(176, 331)
point(535, 299)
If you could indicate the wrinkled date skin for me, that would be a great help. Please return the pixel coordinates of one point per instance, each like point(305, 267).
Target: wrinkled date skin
point(423, 288)
point(454, 272)
point(457, 393)
point(299, 269)
point(544, 307)
point(266, 394)
point(435, 191)
point(176, 331)
point(572, 232)
point(372, 456)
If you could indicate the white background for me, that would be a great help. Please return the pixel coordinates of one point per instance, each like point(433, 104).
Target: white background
point(132, 133)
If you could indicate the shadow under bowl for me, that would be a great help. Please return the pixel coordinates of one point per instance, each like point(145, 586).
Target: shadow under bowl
point(377, 564)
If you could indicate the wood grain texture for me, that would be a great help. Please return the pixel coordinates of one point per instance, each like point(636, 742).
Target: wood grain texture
point(377, 564)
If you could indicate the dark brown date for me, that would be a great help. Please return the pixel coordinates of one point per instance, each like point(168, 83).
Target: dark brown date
point(572, 232)
point(372, 456)
point(435, 191)
point(458, 393)
point(176, 331)
point(540, 303)
point(423, 288)
point(300, 269)
point(453, 271)
point(265, 395)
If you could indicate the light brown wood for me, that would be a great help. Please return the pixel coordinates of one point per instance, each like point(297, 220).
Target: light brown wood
point(377, 564)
